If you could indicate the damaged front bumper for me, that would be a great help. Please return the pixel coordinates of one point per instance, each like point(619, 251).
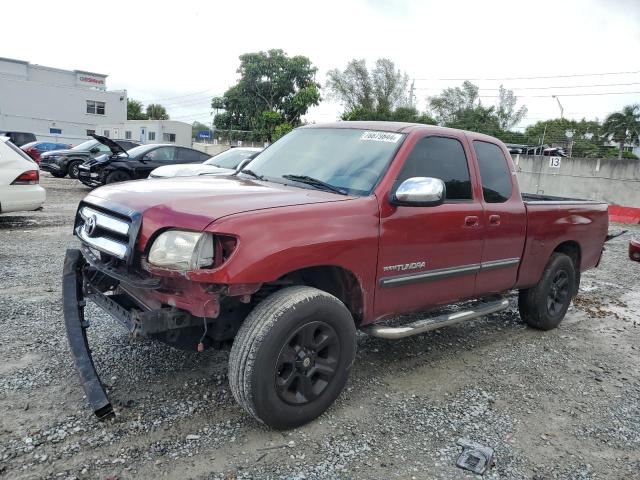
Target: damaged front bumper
point(142, 304)
point(76, 326)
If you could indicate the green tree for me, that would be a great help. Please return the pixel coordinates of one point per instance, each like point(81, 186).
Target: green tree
point(155, 111)
point(460, 107)
point(586, 139)
point(477, 119)
point(273, 89)
point(508, 115)
point(623, 127)
point(369, 95)
point(453, 101)
point(134, 110)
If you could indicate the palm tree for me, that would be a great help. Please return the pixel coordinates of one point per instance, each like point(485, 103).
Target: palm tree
point(624, 127)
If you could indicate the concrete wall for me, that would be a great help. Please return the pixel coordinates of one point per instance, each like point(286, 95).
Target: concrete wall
point(614, 181)
point(210, 148)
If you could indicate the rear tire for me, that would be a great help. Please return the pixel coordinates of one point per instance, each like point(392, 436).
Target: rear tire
point(72, 168)
point(117, 176)
point(291, 356)
point(545, 305)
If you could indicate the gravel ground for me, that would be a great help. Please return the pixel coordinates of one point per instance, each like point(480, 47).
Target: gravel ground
point(563, 404)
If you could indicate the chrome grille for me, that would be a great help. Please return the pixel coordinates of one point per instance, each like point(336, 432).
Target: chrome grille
point(105, 232)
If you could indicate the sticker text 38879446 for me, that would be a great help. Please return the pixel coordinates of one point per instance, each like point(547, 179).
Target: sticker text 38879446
point(381, 137)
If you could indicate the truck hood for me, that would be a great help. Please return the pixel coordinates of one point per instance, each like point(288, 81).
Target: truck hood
point(189, 170)
point(194, 202)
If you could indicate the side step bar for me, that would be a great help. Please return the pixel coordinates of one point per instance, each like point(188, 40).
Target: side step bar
point(480, 309)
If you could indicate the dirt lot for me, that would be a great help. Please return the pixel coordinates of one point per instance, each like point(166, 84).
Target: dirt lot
point(562, 404)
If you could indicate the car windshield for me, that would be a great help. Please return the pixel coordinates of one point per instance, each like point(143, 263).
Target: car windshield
point(348, 159)
point(88, 145)
point(230, 159)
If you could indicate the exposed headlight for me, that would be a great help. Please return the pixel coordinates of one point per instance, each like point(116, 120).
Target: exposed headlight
point(181, 250)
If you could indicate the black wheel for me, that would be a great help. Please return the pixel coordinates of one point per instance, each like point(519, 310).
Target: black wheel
point(545, 305)
point(72, 168)
point(291, 356)
point(58, 174)
point(117, 176)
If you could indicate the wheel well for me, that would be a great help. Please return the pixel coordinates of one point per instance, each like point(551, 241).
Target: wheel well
point(337, 281)
point(572, 250)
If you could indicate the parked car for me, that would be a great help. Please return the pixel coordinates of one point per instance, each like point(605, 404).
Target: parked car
point(20, 188)
point(18, 138)
point(36, 149)
point(66, 162)
point(137, 163)
point(224, 163)
point(333, 228)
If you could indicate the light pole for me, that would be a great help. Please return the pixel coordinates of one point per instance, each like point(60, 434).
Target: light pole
point(560, 105)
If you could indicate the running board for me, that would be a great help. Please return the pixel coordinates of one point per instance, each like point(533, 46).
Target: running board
point(480, 309)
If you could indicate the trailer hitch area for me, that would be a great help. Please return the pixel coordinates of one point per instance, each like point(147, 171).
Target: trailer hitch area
point(76, 326)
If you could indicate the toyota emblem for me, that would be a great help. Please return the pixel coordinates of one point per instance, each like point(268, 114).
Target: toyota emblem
point(90, 226)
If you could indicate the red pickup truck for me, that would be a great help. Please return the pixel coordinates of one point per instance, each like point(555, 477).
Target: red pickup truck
point(332, 229)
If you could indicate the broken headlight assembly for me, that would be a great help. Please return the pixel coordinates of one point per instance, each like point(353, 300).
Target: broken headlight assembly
point(182, 250)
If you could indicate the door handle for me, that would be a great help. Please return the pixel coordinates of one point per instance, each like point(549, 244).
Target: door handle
point(471, 221)
point(494, 220)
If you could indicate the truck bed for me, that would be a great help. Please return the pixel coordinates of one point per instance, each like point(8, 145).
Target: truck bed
point(558, 221)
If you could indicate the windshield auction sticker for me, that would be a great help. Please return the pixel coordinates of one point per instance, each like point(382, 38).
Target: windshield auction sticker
point(381, 137)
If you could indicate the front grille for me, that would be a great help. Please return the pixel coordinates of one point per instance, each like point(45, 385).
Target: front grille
point(106, 231)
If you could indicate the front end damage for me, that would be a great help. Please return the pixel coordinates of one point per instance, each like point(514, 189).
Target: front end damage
point(185, 314)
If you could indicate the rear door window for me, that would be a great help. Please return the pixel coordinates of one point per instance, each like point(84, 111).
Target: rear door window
point(188, 155)
point(494, 172)
point(443, 158)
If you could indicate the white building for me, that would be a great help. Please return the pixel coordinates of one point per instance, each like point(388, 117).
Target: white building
point(149, 131)
point(65, 105)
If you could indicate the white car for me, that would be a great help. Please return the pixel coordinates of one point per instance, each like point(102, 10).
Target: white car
point(224, 163)
point(20, 188)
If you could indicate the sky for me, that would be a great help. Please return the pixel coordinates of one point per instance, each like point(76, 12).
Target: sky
point(182, 53)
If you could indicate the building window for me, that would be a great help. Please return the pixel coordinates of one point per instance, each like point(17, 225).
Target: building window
point(127, 134)
point(55, 131)
point(152, 136)
point(95, 107)
point(169, 137)
point(90, 132)
point(106, 133)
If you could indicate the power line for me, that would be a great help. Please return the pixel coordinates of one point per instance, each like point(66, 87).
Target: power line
point(533, 78)
point(177, 96)
point(565, 95)
point(547, 88)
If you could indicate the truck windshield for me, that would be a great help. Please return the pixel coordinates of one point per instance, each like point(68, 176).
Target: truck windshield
point(351, 160)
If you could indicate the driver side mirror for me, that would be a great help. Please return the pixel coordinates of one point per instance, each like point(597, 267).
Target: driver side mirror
point(420, 192)
point(94, 150)
point(145, 159)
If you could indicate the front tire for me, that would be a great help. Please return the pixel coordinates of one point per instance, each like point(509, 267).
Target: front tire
point(72, 168)
point(545, 305)
point(291, 356)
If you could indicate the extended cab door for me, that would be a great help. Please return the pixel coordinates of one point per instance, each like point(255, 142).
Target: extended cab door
point(430, 255)
point(504, 219)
